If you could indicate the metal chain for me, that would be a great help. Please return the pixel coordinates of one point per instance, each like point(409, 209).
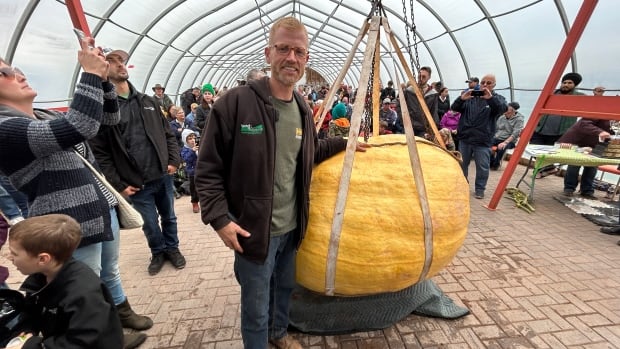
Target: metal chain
point(368, 106)
point(368, 101)
point(414, 29)
point(414, 63)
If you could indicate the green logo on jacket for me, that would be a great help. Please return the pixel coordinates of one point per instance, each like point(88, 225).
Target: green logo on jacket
point(248, 129)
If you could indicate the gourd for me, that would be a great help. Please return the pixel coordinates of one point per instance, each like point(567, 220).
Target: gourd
point(381, 247)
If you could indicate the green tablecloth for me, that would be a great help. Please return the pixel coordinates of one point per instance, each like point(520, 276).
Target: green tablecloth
point(571, 157)
point(542, 156)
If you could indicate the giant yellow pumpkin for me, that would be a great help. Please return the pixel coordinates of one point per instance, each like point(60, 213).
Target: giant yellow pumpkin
point(381, 246)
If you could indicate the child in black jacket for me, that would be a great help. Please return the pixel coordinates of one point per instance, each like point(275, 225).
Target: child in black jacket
point(67, 305)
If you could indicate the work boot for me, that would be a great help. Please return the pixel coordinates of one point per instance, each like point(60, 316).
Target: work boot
point(175, 257)
point(129, 319)
point(157, 262)
point(611, 230)
point(133, 340)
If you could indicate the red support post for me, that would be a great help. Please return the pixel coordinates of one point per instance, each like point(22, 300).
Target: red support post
point(76, 12)
point(585, 12)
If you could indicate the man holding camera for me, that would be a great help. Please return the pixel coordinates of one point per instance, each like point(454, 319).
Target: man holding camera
point(479, 112)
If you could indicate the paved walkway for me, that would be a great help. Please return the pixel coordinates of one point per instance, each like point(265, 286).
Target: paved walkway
point(542, 280)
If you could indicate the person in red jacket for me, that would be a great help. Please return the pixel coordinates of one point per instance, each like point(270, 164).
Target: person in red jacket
point(585, 133)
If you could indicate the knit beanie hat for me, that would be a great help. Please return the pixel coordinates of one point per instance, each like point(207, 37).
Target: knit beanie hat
point(574, 77)
point(339, 111)
point(207, 87)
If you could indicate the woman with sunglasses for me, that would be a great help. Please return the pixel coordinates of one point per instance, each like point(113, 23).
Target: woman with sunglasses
point(39, 154)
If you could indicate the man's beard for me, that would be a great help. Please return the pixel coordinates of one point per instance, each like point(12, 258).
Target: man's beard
point(119, 77)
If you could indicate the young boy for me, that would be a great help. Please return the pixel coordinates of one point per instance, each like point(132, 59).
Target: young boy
point(67, 305)
point(189, 153)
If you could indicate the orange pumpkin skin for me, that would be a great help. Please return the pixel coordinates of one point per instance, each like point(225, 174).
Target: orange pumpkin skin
point(382, 241)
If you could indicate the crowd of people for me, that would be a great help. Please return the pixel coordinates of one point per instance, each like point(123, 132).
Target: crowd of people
point(65, 236)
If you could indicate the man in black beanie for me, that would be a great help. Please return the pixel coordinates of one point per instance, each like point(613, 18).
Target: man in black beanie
point(551, 127)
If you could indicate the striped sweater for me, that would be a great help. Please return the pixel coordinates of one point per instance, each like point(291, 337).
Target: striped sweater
point(38, 156)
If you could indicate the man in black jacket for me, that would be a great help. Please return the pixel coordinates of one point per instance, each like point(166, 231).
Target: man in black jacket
point(253, 179)
point(477, 127)
point(421, 128)
point(138, 157)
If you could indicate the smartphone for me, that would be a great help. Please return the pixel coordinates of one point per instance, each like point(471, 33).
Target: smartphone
point(477, 93)
point(81, 36)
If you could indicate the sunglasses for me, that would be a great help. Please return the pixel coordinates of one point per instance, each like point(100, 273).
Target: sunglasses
point(285, 50)
point(10, 72)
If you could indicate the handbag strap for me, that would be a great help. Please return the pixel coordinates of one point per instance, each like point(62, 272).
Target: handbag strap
point(100, 177)
point(92, 168)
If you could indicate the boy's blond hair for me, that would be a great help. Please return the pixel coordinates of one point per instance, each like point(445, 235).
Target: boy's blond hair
point(56, 234)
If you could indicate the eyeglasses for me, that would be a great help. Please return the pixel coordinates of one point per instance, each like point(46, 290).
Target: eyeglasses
point(285, 50)
point(599, 90)
point(487, 82)
point(10, 72)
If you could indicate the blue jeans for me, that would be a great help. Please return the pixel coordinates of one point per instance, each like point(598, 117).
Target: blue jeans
point(482, 158)
point(13, 203)
point(155, 200)
point(266, 292)
point(496, 159)
point(102, 258)
point(571, 177)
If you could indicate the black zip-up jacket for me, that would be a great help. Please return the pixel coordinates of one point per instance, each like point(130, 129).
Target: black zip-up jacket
point(235, 168)
point(478, 118)
point(109, 146)
point(75, 310)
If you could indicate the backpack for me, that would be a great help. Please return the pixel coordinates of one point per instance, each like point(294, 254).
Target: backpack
point(12, 318)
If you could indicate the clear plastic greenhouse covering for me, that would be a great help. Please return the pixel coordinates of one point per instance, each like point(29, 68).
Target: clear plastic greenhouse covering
point(181, 44)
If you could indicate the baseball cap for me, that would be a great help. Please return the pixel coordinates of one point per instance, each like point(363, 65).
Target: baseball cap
point(122, 54)
point(387, 100)
point(473, 78)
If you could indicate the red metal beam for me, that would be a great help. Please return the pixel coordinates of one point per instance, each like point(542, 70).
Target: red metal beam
point(585, 12)
point(582, 105)
point(76, 12)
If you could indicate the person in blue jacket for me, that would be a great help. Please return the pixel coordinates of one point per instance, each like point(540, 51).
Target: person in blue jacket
point(477, 127)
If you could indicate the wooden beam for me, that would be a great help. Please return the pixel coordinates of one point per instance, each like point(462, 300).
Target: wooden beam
point(416, 168)
point(403, 62)
point(322, 111)
point(347, 168)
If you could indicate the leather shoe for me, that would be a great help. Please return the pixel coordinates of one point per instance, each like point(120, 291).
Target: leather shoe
point(611, 230)
point(157, 262)
point(133, 340)
point(286, 342)
point(175, 257)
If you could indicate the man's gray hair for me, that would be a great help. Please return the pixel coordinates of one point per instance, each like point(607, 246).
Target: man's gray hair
point(254, 74)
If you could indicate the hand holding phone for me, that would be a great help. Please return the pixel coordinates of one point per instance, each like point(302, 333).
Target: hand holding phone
point(81, 37)
point(90, 57)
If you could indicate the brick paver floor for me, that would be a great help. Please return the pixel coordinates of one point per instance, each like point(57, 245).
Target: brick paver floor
point(548, 279)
